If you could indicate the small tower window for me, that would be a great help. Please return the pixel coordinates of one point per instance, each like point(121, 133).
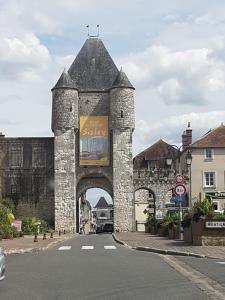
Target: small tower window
point(121, 113)
point(71, 108)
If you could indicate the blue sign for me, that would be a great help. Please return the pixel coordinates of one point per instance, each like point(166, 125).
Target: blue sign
point(179, 199)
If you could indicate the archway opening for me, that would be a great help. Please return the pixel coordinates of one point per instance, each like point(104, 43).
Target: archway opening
point(144, 207)
point(95, 211)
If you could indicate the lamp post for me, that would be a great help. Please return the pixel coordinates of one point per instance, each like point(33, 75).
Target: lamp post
point(188, 162)
point(178, 155)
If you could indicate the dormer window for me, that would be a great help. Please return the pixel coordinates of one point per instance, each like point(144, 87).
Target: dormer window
point(208, 154)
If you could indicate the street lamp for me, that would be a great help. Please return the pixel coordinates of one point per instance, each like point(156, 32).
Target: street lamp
point(169, 162)
point(188, 162)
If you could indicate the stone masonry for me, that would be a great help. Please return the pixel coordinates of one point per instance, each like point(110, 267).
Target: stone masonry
point(93, 86)
point(27, 175)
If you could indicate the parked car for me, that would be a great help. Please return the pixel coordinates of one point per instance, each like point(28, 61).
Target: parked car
point(2, 265)
point(108, 227)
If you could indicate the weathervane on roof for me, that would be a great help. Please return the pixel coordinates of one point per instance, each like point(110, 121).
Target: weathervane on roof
point(89, 31)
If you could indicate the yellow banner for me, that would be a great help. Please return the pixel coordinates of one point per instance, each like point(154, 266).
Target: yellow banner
point(94, 141)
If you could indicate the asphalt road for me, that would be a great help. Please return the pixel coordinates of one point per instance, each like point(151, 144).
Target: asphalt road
point(212, 268)
point(97, 273)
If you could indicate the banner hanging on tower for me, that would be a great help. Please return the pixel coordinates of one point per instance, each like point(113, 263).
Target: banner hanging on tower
point(94, 141)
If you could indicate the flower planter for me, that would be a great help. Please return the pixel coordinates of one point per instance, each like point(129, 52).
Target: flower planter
point(173, 232)
point(188, 235)
point(148, 228)
point(203, 236)
point(163, 231)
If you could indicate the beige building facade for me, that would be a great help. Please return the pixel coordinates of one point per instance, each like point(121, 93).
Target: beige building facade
point(208, 168)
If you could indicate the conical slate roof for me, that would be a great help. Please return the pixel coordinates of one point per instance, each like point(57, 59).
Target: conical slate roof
point(122, 80)
point(93, 69)
point(102, 203)
point(64, 82)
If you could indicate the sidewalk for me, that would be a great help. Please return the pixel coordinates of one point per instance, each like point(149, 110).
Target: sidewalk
point(26, 244)
point(146, 242)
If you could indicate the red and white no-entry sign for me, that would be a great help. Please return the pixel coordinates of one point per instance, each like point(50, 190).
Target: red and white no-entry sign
point(179, 178)
point(180, 189)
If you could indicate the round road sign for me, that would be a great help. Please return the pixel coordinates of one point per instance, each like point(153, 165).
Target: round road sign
point(179, 178)
point(180, 189)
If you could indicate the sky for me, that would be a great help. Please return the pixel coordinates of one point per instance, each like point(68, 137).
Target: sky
point(173, 52)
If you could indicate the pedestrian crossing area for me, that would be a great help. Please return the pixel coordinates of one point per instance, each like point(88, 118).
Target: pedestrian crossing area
point(221, 262)
point(88, 247)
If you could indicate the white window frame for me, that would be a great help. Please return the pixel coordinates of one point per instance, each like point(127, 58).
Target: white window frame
point(212, 154)
point(204, 179)
point(218, 205)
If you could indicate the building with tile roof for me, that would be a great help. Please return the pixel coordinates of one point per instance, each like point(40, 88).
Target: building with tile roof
point(208, 167)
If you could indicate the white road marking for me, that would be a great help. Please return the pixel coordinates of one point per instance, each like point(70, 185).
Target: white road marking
point(221, 262)
point(87, 247)
point(64, 248)
point(109, 247)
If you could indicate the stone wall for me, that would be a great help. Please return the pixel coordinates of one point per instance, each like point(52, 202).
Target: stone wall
point(123, 181)
point(64, 110)
point(94, 104)
point(65, 181)
point(160, 186)
point(27, 175)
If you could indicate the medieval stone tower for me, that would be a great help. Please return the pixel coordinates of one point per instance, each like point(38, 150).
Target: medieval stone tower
point(93, 123)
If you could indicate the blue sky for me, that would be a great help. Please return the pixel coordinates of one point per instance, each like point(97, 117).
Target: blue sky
point(172, 51)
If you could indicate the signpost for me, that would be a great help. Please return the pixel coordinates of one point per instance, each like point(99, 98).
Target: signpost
point(180, 191)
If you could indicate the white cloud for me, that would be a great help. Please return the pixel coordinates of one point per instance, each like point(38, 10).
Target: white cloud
point(183, 77)
point(170, 129)
point(22, 58)
point(170, 90)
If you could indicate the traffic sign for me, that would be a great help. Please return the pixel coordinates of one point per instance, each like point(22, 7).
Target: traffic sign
point(180, 189)
point(179, 199)
point(179, 178)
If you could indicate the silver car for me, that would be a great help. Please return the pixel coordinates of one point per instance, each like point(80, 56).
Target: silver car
point(2, 265)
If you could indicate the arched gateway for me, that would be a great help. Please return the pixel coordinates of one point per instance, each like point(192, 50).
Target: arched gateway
point(93, 123)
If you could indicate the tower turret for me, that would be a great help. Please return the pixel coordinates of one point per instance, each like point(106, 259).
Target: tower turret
point(122, 103)
point(64, 104)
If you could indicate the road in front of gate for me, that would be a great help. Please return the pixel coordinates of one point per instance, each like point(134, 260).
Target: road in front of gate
point(94, 267)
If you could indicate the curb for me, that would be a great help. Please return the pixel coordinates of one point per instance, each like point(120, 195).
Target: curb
point(164, 251)
point(37, 249)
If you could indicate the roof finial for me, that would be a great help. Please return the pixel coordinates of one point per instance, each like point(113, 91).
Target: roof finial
point(98, 30)
point(88, 30)
point(93, 36)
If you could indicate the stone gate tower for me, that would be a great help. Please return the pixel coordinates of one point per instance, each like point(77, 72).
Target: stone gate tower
point(93, 87)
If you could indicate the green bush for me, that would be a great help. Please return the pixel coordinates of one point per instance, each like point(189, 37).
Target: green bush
point(30, 225)
point(8, 232)
point(218, 216)
point(4, 215)
point(186, 222)
point(170, 220)
point(203, 209)
point(8, 203)
point(151, 219)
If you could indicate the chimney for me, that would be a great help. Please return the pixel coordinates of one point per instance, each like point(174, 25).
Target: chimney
point(187, 137)
point(1, 135)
